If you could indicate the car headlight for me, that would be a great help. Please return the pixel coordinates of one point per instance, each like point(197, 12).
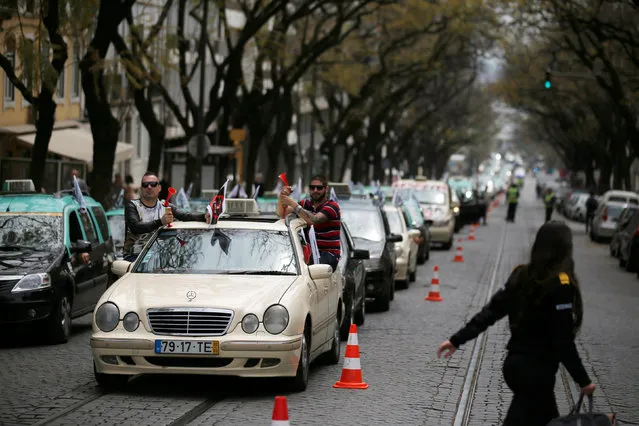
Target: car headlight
point(32, 282)
point(276, 319)
point(250, 322)
point(131, 321)
point(107, 317)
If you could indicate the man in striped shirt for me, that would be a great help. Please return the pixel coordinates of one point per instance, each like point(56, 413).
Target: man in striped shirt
point(319, 212)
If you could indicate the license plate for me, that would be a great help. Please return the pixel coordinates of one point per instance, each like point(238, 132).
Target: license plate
point(211, 347)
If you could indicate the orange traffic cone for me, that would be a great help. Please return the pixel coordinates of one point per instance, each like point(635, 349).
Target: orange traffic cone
point(280, 412)
point(459, 257)
point(352, 371)
point(471, 236)
point(433, 294)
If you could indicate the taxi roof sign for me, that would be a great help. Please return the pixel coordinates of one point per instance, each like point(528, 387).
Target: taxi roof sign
point(241, 207)
point(18, 185)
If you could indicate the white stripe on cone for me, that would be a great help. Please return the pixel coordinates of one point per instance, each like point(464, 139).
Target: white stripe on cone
point(280, 423)
point(352, 364)
point(352, 339)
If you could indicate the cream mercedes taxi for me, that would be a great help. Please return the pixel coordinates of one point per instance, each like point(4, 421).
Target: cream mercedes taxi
point(235, 298)
point(406, 250)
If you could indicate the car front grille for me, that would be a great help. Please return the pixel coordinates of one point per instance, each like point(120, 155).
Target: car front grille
point(189, 321)
point(7, 284)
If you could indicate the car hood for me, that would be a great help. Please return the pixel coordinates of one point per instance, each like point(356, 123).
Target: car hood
point(375, 248)
point(236, 292)
point(26, 261)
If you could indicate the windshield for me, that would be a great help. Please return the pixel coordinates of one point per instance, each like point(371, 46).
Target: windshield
point(427, 196)
point(415, 215)
point(613, 211)
point(117, 225)
point(364, 224)
point(36, 231)
point(219, 251)
point(395, 221)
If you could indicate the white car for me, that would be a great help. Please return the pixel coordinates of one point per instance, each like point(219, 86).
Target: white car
point(235, 298)
point(405, 250)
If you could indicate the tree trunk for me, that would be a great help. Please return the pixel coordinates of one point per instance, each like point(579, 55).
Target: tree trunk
point(44, 129)
point(590, 175)
point(605, 170)
point(104, 127)
point(156, 129)
point(46, 106)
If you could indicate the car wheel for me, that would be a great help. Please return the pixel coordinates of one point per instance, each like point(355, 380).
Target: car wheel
point(449, 244)
point(383, 301)
point(426, 253)
point(630, 263)
point(59, 322)
point(412, 276)
point(348, 318)
point(333, 355)
point(300, 381)
point(110, 381)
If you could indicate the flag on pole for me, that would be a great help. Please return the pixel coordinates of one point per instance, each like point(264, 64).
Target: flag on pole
point(256, 190)
point(182, 200)
point(78, 194)
point(189, 190)
point(333, 196)
point(314, 248)
point(297, 190)
point(235, 191)
point(217, 206)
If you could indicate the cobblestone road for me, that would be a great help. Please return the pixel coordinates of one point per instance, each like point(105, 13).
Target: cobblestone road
point(408, 384)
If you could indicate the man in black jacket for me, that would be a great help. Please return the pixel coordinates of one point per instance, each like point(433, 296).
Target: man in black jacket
point(145, 215)
point(591, 206)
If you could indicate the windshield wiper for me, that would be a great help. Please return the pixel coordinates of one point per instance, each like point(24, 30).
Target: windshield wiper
point(15, 247)
point(258, 273)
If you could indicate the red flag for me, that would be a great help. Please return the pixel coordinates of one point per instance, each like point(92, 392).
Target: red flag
point(216, 205)
point(283, 179)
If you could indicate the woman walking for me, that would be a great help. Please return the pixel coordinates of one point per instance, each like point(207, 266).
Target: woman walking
point(545, 311)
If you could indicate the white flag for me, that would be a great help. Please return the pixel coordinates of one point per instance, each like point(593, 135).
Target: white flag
point(242, 192)
point(297, 191)
point(78, 194)
point(235, 191)
point(314, 249)
point(182, 200)
point(334, 195)
point(256, 190)
point(189, 190)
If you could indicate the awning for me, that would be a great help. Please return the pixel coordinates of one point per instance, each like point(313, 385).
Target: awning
point(213, 150)
point(78, 144)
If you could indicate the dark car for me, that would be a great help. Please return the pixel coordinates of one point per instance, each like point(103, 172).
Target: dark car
point(369, 228)
point(622, 222)
point(43, 280)
point(471, 208)
point(628, 240)
point(351, 264)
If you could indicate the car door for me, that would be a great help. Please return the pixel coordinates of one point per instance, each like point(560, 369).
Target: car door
point(355, 267)
point(319, 304)
point(82, 273)
point(98, 253)
point(102, 264)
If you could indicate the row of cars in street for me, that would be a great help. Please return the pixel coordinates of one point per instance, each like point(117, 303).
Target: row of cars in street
point(241, 297)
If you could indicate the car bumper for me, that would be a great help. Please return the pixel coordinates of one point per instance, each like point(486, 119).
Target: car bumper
point(273, 356)
point(441, 234)
point(376, 282)
point(25, 308)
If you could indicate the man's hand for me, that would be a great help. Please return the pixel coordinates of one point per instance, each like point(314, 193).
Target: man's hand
point(286, 191)
point(288, 201)
point(207, 217)
point(168, 216)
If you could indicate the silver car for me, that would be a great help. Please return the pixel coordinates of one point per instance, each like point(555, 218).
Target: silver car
point(604, 222)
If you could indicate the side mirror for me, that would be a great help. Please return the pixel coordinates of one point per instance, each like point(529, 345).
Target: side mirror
point(414, 233)
point(81, 246)
point(320, 271)
point(394, 238)
point(360, 254)
point(120, 267)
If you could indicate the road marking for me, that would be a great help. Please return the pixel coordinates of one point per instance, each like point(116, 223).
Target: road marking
point(462, 415)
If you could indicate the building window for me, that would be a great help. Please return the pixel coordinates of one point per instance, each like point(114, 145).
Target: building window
point(59, 93)
point(76, 82)
point(9, 88)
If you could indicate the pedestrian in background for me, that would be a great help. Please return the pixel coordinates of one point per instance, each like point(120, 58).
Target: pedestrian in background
point(512, 198)
point(545, 311)
point(591, 206)
point(549, 203)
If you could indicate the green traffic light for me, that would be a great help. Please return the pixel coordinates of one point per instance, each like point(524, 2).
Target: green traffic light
point(547, 84)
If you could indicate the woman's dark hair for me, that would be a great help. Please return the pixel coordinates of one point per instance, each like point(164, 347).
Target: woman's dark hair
point(551, 255)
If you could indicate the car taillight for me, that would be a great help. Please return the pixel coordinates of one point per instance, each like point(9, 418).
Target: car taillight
point(636, 234)
point(604, 214)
